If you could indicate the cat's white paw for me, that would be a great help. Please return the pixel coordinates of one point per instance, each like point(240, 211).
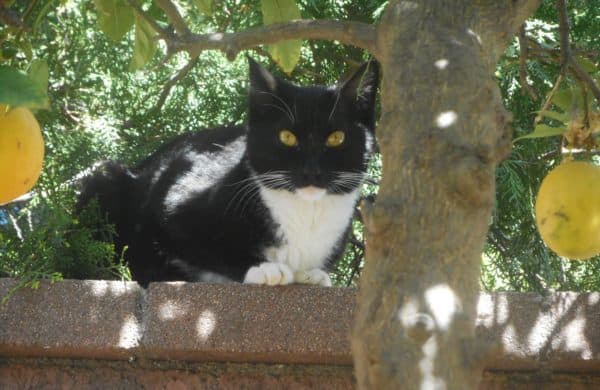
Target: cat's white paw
point(269, 273)
point(313, 276)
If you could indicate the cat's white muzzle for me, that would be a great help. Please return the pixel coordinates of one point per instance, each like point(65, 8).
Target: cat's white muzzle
point(310, 193)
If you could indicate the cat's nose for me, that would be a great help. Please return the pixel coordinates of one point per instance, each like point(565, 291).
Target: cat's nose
point(312, 174)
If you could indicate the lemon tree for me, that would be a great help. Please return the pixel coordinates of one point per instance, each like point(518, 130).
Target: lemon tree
point(568, 209)
point(21, 152)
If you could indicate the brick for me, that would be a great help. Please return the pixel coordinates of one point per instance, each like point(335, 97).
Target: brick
point(277, 325)
point(73, 318)
point(284, 324)
point(560, 331)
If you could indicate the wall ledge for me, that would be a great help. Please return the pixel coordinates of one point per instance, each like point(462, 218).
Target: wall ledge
point(194, 322)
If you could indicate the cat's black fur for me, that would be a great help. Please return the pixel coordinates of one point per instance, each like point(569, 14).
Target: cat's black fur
point(195, 204)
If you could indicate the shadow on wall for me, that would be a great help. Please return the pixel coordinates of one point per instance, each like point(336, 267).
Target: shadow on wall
point(286, 324)
point(560, 330)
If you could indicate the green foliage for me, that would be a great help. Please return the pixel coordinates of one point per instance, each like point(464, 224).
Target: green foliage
point(286, 53)
point(115, 18)
point(205, 6)
point(99, 110)
point(19, 89)
point(542, 130)
point(145, 44)
point(45, 242)
point(515, 258)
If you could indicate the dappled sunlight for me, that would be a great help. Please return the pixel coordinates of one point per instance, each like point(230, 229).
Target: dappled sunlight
point(206, 324)
point(540, 333)
point(101, 288)
point(408, 311)
point(443, 303)
point(570, 338)
point(446, 119)
point(441, 64)
point(557, 325)
point(216, 37)
point(131, 332)
point(474, 35)
point(170, 310)
point(510, 339)
point(426, 365)
point(424, 324)
point(492, 310)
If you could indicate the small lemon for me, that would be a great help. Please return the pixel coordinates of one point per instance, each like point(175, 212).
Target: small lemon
point(21, 152)
point(568, 210)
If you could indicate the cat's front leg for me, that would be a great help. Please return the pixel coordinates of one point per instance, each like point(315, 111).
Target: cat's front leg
point(313, 276)
point(269, 273)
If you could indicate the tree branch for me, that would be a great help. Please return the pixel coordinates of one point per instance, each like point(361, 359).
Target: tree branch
point(536, 49)
point(585, 77)
point(499, 21)
point(174, 17)
point(11, 18)
point(548, 101)
point(565, 46)
point(523, 55)
point(567, 60)
point(347, 32)
point(169, 84)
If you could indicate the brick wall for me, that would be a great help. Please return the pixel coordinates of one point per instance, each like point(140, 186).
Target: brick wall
point(99, 334)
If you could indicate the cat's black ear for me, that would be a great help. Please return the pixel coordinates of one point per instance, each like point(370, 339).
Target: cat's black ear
point(360, 89)
point(261, 80)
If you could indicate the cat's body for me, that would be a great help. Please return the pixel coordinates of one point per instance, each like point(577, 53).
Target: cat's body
point(247, 203)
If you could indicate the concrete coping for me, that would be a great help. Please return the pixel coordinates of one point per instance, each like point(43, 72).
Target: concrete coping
point(197, 322)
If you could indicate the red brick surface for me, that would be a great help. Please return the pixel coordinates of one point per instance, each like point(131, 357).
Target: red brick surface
point(548, 341)
point(242, 323)
point(19, 376)
point(74, 318)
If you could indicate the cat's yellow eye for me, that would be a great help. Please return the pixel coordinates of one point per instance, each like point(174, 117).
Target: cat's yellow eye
point(288, 138)
point(335, 139)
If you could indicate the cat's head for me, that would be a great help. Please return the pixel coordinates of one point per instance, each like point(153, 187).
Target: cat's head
point(312, 140)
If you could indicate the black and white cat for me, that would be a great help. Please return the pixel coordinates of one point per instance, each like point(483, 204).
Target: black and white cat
point(267, 203)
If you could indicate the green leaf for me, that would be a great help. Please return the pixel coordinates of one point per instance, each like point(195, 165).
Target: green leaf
point(563, 99)
point(543, 130)
point(570, 100)
point(587, 64)
point(205, 6)
point(115, 18)
point(16, 89)
point(559, 116)
point(158, 14)
point(38, 74)
point(145, 44)
point(286, 53)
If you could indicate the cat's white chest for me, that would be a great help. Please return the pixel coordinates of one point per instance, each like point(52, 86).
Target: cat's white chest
point(309, 230)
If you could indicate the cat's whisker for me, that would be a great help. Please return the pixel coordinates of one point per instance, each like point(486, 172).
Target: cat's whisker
point(348, 181)
point(249, 188)
point(290, 117)
point(241, 194)
point(337, 99)
point(248, 197)
point(275, 178)
point(289, 113)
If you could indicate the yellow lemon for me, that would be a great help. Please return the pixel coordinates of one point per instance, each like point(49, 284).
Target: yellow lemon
point(21, 152)
point(568, 210)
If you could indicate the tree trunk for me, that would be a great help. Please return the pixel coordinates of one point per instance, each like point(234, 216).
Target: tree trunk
point(443, 131)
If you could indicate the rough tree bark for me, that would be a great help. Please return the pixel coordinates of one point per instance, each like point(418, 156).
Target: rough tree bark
point(443, 131)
